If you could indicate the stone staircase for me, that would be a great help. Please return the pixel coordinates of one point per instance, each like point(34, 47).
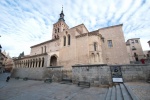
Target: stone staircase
point(120, 92)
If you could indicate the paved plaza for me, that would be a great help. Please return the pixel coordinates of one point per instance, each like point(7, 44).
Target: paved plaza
point(140, 89)
point(38, 90)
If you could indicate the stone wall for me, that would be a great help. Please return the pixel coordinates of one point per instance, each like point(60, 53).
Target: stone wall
point(135, 72)
point(55, 73)
point(31, 73)
point(95, 74)
point(100, 74)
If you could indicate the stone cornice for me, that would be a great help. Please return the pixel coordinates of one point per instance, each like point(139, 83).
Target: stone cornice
point(82, 35)
point(111, 26)
point(92, 65)
point(44, 42)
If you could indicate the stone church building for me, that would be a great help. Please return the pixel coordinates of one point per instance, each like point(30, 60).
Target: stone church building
point(76, 45)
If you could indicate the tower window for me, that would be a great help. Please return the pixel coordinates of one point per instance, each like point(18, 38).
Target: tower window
point(64, 40)
point(58, 30)
point(69, 39)
point(110, 43)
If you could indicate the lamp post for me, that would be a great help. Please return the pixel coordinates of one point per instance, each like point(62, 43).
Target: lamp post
point(0, 46)
point(0, 59)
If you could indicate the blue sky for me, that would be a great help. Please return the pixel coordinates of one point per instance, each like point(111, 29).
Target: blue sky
point(24, 23)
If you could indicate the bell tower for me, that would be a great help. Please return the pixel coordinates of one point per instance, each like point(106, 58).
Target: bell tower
point(59, 26)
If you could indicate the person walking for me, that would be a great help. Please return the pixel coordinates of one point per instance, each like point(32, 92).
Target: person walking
point(7, 79)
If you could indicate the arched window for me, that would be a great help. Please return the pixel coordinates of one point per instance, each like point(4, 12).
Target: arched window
point(42, 49)
point(95, 46)
point(39, 62)
point(64, 40)
point(30, 63)
point(33, 62)
point(36, 63)
point(55, 36)
point(92, 57)
point(45, 49)
point(68, 39)
point(42, 62)
point(55, 30)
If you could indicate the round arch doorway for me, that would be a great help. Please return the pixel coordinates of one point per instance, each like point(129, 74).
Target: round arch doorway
point(53, 61)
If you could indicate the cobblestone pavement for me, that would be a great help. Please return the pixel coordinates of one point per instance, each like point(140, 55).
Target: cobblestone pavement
point(38, 90)
point(140, 89)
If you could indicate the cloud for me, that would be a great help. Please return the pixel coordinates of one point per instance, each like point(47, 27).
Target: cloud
point(26, 23)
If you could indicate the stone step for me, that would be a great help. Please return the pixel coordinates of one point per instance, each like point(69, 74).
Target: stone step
point(118, 93)
point(134, 97)
point(108, 96)
point(125, 93)
point(113, 93)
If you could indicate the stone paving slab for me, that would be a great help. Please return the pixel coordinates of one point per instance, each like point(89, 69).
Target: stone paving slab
point(140, 89)
point(38, 90)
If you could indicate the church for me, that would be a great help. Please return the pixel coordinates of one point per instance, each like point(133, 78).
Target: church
point(77, 46)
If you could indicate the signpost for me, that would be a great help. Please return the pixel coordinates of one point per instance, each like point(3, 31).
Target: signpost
point(116, 74)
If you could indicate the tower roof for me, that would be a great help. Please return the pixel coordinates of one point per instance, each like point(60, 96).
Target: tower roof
point(61, 18)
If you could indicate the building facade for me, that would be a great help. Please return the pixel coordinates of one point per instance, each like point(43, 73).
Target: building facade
point(2, 61)
point(134, 48)
point(76, 45)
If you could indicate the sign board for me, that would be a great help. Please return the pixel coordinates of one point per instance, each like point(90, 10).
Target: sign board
point(117, 80)
point(116, 74)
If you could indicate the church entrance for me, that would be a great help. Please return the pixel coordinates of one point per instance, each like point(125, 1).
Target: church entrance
point(53, 61)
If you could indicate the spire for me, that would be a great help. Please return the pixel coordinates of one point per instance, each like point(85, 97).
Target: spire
point(61, 15)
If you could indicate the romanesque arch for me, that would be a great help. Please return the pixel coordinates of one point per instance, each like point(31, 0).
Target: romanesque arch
point(53, 60)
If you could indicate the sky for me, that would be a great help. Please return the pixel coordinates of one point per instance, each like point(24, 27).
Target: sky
point(24, 23)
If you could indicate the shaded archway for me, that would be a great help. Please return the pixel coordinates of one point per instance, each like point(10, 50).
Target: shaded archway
point(53, 61)
point(136, 57)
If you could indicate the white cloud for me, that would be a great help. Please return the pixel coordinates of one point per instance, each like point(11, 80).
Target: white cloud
point(26, 23)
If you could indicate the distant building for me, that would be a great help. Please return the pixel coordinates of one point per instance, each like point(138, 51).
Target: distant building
point(147, 52)
point(76, 45)
point(134, 49)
